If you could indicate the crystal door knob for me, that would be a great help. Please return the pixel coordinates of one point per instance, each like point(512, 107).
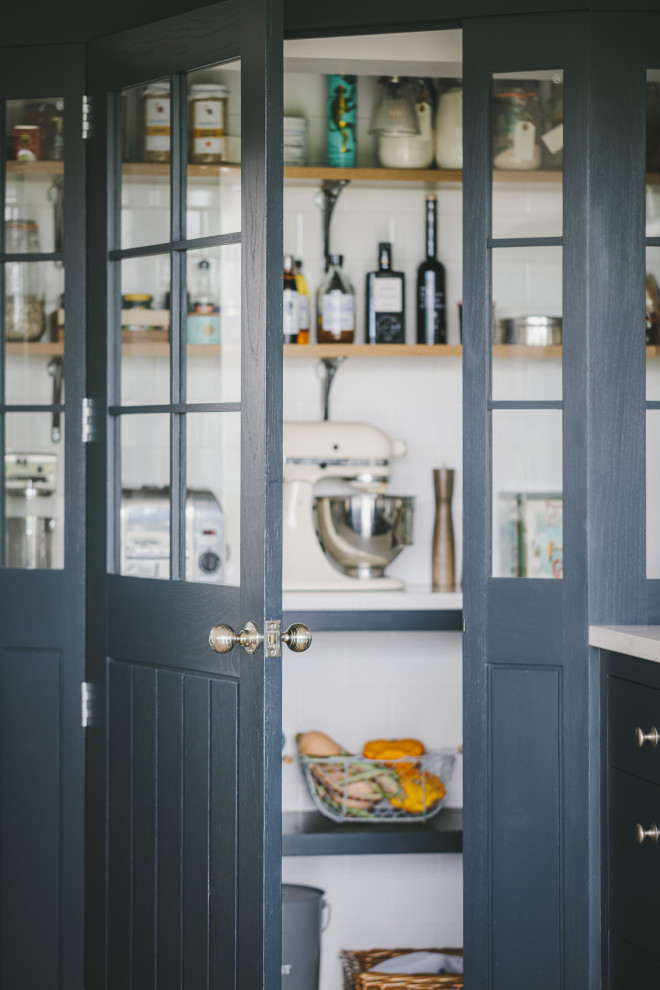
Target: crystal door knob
point(652, 736)
point(652, 833)
point(298, 637)
point(222, 638)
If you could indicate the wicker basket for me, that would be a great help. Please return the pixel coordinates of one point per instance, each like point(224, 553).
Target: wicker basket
point(356, 977)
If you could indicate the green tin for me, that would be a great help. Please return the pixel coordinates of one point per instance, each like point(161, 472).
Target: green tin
point(342, 121)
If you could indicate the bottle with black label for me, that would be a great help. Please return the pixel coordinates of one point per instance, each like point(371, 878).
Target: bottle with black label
point(290, 303)
point(335, 306)
point(386, 302)
point(431, 307)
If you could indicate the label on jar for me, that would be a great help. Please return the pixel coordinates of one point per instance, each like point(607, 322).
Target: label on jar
point(291, 319)
point(156, 123)
point(524, 141)
point(208, 126)
point(388, 295)
point(337, 312)
point(303, 312)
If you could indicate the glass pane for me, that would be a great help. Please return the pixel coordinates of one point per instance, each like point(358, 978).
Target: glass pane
point(145, 330)
point(145, 142)
point(527, 493)
point(213, 519)
point(528, 140)
point(35, 174)
point(214, 150)
point(34, 487)
point(527, 323)
point(145, 508)
point(213, 324)
point(653, 153)
point(652, 323)
point(34, 331)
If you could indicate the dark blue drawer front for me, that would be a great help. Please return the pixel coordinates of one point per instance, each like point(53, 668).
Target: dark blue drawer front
point(632, 706)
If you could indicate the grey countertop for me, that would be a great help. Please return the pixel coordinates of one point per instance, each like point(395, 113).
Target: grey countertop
point(635, 641)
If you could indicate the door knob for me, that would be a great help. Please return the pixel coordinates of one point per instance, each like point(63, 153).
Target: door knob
point(652, 736)
point(652, 833)
point(298, 637)
point(222, 638)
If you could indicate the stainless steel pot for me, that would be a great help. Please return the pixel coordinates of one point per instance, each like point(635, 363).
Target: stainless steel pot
point(30, 541)
point(531, 331)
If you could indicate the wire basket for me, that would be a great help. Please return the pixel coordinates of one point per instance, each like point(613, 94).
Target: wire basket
point(356, 966)
point(355, 789)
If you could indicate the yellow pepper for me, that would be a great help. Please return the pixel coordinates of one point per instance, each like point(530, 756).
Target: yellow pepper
point(422, 790)
point(393, 749)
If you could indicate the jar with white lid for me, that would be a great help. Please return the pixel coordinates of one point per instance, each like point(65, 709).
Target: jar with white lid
point(207, 123)
point(156, 118)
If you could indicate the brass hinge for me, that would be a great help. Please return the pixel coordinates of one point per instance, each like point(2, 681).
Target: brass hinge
point(273, 643)
point(86, 117)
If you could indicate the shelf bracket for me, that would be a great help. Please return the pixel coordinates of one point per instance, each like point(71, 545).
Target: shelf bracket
point(326, 199)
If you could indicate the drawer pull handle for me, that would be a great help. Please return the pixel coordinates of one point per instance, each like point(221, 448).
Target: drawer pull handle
point(652, 833)
point(652, 736)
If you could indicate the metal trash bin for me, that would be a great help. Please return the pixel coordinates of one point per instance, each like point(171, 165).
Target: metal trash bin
point(302, 924)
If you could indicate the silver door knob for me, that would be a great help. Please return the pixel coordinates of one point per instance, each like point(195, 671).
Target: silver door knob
point(652, 736)
point(298, 637)
point(222, 638)
point(652, 833)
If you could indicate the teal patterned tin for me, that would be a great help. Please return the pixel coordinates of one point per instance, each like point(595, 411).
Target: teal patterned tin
point(342, 121)
point(204, 329)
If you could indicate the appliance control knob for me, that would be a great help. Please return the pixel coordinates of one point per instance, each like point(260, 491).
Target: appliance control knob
point(209, 562)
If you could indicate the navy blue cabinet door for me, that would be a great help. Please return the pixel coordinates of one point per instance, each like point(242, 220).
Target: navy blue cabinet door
point(184, 805)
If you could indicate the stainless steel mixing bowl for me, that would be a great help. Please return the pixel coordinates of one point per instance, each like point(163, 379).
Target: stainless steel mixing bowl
point(363, 533)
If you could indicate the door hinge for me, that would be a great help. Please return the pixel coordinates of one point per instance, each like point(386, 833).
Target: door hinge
point(463, 625)
point(89, 421)
point(273, 642)
point(86, 704)
point(86, 117)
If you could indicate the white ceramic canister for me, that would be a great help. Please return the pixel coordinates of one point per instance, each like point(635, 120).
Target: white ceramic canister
point(295, 140)
point(449, 129)
point(409, 150)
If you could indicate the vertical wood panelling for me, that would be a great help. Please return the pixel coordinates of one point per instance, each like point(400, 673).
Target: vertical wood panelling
point(525, 785)
point(30, 735)
point(223, 880)
point(145, 759)
point(120, 822)
point(169, 836)
point(195, 832)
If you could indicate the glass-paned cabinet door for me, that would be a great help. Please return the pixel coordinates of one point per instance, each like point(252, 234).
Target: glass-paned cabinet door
point(652, 323)
point(526, 277)
point(32, 321)
point(176, 289)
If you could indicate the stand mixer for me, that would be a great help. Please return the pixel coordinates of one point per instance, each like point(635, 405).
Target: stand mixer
point(370, 535)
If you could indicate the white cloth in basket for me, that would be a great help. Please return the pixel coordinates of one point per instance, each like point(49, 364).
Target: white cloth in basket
point(420, 962)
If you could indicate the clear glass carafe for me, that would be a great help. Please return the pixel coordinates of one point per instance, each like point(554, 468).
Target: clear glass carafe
point(24, 289)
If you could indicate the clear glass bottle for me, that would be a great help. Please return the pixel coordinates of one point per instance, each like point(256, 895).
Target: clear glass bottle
point(335, 306)
point(207, 123)
point(156, 116)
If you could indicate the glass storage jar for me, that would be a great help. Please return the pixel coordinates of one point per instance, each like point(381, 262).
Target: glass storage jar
point(24, 291)
point(207, 123)
point(517, 127)
point(156, 116)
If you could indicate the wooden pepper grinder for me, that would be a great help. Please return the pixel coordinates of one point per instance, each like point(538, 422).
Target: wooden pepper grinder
point(443, 574)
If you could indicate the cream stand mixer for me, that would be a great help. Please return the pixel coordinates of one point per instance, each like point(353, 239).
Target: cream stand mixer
point(360, 455)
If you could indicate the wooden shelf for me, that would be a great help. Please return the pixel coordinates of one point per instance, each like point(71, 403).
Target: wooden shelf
point(35, 348)
point(34, 170)
point(371, 350)
point(309, 833)
point(428, 175)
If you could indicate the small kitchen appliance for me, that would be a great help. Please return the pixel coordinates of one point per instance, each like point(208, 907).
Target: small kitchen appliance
point(29, 478)
point(145, 534)
point(317, 558)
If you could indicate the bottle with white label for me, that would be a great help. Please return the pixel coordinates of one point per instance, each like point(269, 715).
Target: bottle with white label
point(290, 303)
point(207, 123)
point(386, 302)
point(303, 307)
point(335, 306)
